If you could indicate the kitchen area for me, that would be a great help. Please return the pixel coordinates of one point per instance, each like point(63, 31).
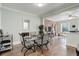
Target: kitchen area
point(71, 32)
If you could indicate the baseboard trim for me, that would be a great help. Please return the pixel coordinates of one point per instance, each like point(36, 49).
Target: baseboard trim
point(17, 42)
point(71, 45)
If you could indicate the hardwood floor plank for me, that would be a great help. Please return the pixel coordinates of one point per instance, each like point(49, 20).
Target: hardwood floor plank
point(57, 47)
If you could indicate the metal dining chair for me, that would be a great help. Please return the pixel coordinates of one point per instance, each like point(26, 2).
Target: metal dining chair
point(45, 40)
point(26, 43)
point(50, 37)
point(41, 42)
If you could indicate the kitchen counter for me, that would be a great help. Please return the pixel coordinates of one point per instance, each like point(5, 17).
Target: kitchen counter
point(72, 39)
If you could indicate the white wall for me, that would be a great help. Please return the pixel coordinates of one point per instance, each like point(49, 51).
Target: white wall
point(0, 16)
point(72, 38)
point(12, 22)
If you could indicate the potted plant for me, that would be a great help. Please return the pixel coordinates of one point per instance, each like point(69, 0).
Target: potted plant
point(41, 27)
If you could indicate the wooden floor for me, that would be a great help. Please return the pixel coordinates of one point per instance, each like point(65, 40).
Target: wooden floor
point(57, 47)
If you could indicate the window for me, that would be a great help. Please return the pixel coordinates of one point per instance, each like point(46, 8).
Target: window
point(49, 29)
point(64, 27)
point(26, 24)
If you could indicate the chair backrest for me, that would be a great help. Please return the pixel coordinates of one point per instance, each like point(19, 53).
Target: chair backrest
point(1, 32)
point(25, 39)
point(21, 38)
point(45, 38)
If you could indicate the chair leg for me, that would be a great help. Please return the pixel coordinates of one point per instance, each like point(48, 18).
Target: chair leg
point(34, 49)
point(25, 52)
point(46, 47)
point(22, 49)
point(42, 50)
point(40, 47)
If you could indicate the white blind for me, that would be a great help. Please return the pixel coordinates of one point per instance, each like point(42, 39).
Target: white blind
point(26, 24)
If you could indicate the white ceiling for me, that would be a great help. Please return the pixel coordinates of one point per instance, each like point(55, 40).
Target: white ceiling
point(31, 8)
point(40, 11)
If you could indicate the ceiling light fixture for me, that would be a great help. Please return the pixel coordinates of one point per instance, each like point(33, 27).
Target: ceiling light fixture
point(73, 17)
point(39, 4)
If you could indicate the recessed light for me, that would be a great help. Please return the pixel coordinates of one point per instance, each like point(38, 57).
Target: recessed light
point(39, 4)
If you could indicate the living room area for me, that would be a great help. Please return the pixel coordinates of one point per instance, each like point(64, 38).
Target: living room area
point(39, 29)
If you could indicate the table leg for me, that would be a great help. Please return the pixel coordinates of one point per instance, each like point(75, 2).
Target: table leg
point(42, 45)
point(34, 46)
